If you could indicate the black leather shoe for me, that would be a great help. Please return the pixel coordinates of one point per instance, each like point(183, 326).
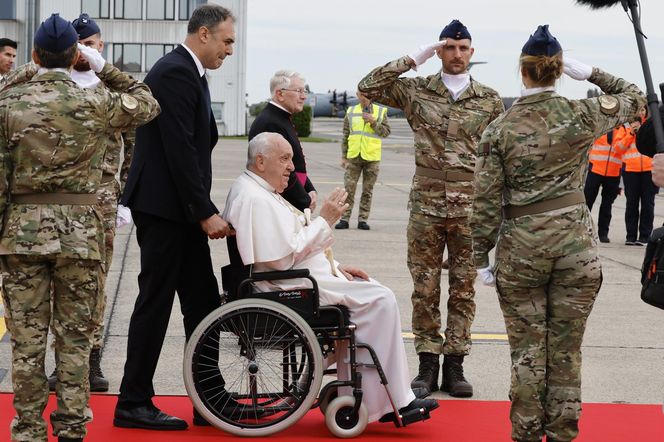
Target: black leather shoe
point(427, 404)
point(341, 225)
point(148, 417)
point(70, 439)
point(604, 239)
point(200, 421)
point(362, 225)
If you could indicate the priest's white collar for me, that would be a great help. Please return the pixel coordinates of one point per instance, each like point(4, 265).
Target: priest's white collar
point(260, 181)
point(199, 65)
point(536, 90)
point(278, 105)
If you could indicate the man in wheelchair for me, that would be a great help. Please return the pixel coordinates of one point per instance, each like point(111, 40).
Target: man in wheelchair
point(273, 235)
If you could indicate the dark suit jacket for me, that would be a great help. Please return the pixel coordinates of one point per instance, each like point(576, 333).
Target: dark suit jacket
point(646, 142)
point(171, 172)
point(274, 119)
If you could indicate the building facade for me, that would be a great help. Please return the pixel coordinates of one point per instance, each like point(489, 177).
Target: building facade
point(136, 34)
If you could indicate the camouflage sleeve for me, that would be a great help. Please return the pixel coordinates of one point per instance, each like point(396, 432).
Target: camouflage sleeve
point(128, 141)
point(344, 139)
point(5, 168)
point(382, 126)
point(487, 206)
point(129, 102)
point(20, 75)
point(384, 86)
point(622, 102)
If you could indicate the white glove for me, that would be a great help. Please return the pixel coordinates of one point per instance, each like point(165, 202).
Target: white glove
point(124, 216)
point(425, 52)
point(93, 57)
point(576, 69)
point(487, 276)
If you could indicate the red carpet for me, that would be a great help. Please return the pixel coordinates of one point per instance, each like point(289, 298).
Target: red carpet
point(454, 421)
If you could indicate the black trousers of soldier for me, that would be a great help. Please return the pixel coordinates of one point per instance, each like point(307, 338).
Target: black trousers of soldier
point(639, 190)
point(610, 188)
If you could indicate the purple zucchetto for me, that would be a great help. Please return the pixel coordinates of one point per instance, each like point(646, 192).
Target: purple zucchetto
point(55, 34)
point(542, 43)
point(455, 30)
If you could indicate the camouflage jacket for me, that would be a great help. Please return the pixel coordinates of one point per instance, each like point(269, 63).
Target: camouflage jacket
point(537, 151)
point(52, 140)
point(119, 143)
point(446, 132)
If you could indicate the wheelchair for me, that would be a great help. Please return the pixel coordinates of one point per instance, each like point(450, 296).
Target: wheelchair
point(255, 365)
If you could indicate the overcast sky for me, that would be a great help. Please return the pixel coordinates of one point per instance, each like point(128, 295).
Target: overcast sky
point(334, 43)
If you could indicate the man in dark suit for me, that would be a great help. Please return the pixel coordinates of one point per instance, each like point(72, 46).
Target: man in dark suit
point(288, 97)
point(168, 191)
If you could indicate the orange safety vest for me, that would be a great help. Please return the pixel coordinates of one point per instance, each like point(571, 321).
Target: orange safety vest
point(606, 157)
point(634, 161)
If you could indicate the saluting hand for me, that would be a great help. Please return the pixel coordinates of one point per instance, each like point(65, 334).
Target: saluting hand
point(423, 53)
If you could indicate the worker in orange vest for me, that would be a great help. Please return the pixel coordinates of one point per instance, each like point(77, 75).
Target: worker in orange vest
point(605, 167)
point(639, 189)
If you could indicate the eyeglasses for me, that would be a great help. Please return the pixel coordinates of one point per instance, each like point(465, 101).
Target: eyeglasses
point(299, 91)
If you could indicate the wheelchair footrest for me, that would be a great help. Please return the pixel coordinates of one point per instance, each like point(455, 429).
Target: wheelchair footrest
point(407, 418)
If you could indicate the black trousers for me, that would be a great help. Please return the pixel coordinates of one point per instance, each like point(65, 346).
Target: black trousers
point(175, 257)
point(639, 190)
point(610, 189)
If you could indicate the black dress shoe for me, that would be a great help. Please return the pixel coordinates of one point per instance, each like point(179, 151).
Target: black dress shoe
point(148, 417)
point(604, 239)
point(362, 225)
point(200, 421)
point(70, 439)
point(427, 404)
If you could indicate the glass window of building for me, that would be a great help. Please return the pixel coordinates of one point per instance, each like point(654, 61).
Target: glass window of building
point(218, 110)
point(186, 7)
point(154, 53)
point(129, 9)
point(160, 9)
point(8, 11)
point(127, 57)
point(96, 8)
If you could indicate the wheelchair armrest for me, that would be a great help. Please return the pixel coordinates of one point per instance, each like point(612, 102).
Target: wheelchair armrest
point(284, 274)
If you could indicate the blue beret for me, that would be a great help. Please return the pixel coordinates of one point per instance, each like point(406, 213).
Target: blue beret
point(55, 34)
point(542, 43)
point(455, 30)
point(85, 26)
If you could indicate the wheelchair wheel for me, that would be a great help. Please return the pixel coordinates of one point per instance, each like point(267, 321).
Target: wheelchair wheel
point(253, 367)
point(340, 419)
point(331, 394)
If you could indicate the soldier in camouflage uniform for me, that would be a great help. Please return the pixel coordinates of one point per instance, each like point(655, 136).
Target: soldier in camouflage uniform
point(529, 201)
point(51, 151)
point(364, 126)
point(447, 112)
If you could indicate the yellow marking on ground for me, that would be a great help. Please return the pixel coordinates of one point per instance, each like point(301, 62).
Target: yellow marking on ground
point(474, 336)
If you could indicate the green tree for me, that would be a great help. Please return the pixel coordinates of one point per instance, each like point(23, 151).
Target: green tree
point(302, 121)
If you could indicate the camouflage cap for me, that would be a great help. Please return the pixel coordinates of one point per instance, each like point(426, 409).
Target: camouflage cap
point(55, 34)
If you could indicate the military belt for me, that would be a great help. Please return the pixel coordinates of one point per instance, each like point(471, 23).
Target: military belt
point(107, 178)
point(73, 199)
point(444, 175)
point(511, 212)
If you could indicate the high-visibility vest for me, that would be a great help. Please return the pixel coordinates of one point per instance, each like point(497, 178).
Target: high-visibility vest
point(634, 161)
point(606, 157)
point(362, 140)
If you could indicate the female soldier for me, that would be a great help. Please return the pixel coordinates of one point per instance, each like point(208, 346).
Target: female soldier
point(529, 178)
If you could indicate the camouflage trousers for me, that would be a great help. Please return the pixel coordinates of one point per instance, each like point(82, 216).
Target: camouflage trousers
point(546, 303)
point(26, 289)
point(427, 238)
point(369, 171)
point(108, 203)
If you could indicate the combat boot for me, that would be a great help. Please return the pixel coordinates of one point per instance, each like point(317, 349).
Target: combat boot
point(97, 380)
point(454, 382)
point(52, 380)
point(426, 381)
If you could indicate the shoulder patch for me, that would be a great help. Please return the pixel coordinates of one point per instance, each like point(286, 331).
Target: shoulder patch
point(484, 150)
point(129, 103)
point(608, 104)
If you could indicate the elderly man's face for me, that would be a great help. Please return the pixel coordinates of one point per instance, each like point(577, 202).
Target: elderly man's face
point(456, 55)
point(7, 57)
point(293, 97)
point(277, 164)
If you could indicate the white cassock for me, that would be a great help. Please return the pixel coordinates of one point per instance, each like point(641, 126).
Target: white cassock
point(273, 235)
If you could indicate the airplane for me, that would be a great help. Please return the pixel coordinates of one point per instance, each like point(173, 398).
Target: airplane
point(334, 104)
